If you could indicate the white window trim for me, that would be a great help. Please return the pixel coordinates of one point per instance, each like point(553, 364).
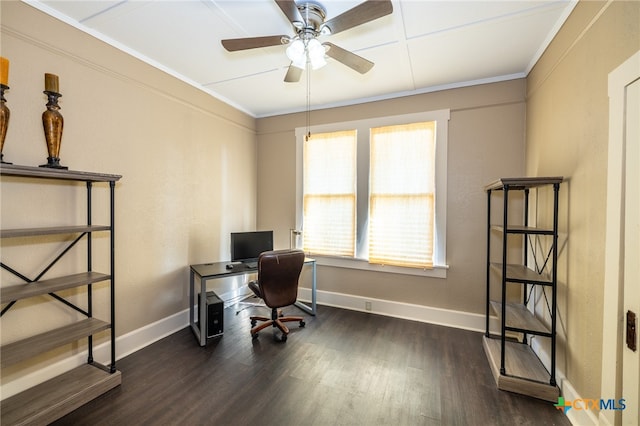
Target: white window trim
point(442, 117)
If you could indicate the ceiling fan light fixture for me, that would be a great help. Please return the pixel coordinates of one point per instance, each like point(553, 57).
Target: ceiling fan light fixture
point(318, 63)
point(301, 63)
point(316, 54)
point(296, 53)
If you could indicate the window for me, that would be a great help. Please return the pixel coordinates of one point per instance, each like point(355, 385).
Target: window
point(330, 193)
point(372, 193)
point(401, 194)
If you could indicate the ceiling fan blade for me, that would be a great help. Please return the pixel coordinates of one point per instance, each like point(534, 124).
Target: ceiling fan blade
point(293, 74)
point(350, 59)
point(290, 10)
point(234, 44)
point(362, 13)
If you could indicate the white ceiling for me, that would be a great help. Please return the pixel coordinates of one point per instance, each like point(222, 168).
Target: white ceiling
point(421, 47)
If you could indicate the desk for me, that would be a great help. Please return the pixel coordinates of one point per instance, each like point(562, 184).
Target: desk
point(210, 271)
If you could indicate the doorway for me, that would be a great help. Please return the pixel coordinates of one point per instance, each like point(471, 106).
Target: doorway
point(622, 271)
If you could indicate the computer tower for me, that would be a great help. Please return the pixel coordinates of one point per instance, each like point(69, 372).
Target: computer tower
point(214, 314)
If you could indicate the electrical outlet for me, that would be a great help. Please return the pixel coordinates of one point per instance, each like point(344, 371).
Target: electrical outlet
point(367, 305)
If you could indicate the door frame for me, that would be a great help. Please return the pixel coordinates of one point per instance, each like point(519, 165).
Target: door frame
point(613, 303)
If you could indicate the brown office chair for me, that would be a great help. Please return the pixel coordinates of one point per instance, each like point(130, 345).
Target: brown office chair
point(277, 285)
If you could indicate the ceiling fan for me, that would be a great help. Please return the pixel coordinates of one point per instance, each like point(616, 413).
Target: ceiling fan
point(308, 18)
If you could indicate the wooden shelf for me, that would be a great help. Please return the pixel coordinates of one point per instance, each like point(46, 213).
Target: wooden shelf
point(15, 352)
point(23, 291)
point(522, 182)
point(522, 274)
point(47, 402)
point(516, 229)
point(524, 373)
point(51, 230)
point(48, 173)
point(520, 318)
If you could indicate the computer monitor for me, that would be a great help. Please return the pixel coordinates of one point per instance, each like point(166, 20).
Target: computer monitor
point(247, 246)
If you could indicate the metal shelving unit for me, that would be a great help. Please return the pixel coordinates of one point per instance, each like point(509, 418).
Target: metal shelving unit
point(515, 365)
point(54, 398)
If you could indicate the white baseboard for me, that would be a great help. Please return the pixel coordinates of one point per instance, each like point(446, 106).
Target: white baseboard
point(144, 336)
point(446, 317)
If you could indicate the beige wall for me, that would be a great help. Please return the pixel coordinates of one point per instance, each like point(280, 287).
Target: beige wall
point(187, 160)
point(567, 134)
point(486, 141)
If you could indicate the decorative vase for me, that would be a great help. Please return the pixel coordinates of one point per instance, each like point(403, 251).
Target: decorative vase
point(4, 121)
point(53, 122)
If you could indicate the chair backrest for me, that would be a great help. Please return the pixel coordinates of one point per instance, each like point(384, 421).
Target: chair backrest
point(278, 273)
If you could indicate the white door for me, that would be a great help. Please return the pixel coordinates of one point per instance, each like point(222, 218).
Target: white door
point(631, 277)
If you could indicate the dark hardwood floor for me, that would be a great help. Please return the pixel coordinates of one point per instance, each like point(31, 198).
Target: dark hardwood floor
point(343, 368)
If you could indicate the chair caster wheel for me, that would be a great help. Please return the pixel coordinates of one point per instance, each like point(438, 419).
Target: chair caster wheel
point(254, 336)
point(253, 323)
point(283, 338)
point(302, 323)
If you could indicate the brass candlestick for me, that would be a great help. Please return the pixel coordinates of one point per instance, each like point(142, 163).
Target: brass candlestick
point(4, 120)
point(52, 122)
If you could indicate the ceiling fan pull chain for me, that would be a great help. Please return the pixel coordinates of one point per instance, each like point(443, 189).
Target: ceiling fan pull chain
point(308, 105)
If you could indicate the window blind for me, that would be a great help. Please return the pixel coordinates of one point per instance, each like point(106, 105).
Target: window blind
point(401, 194)
point(329, 193)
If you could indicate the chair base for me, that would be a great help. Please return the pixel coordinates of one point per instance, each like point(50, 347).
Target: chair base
point(277, 322)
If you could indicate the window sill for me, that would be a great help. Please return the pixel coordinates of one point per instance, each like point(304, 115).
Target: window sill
point(438, 271)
